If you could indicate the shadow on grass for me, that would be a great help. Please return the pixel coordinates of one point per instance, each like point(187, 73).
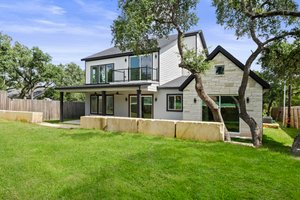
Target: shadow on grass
point(90, 134)
point(273, 145)
point(292, 132)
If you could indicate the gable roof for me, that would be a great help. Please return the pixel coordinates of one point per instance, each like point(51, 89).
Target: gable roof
point(220, 49)
point(114, 52)
point(173, 84)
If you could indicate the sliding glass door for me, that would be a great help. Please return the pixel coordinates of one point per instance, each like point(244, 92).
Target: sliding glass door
point(146, 103)
point(229, 111)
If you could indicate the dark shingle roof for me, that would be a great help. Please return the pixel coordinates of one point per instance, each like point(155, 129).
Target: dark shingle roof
point(116, 52)
point(174, 84)
point(220, 49)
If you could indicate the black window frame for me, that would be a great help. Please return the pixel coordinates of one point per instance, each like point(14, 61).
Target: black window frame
point(217, 67)
point(98, 73)
point(100, 95)
point(175, 110)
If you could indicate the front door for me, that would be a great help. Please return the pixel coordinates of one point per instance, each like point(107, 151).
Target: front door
point(147, 106)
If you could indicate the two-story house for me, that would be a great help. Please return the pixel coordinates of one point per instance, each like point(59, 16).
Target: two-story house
point(153, 86)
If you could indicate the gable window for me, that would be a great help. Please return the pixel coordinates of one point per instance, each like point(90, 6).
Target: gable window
point(102, 73)
point(219, 69)
point(174, 102)
point(141, 67)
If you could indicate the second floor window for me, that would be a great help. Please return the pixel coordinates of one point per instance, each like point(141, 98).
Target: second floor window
point(141, 67)
point(102, 73)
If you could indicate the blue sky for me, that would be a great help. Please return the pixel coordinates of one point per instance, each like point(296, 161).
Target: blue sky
point(73, 29)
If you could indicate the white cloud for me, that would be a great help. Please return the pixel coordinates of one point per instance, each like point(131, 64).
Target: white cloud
point(49, 23)
point(96, 8)
point(56, 10)
point(32, 8)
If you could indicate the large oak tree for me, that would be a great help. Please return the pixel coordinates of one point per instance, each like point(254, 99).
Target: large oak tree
point(265, 22)
point(142, 22)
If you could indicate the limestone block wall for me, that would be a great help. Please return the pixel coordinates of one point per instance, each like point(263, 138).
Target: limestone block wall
point(24, 116)
point(226, 84)
point(192, 130)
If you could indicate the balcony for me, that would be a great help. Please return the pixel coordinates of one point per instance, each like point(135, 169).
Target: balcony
point(125, 75)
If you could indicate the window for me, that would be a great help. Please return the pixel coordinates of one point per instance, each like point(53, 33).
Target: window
point(174, 102)
point(102, 73)
point(229, 111)
point(110, 105)
point(96, 104)
point(94, 74)
point(219, 69)
point(141, 67)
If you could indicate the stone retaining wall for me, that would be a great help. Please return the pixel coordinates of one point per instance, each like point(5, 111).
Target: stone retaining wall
point(193, 130)
point(24, 116)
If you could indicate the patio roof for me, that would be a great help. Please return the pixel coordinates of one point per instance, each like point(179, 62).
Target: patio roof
point(104, 87)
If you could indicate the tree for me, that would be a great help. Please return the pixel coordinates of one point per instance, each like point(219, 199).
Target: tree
point(264, 22)
point(70, 74)
point(31, 69)
point(5, 58)
point(141, 23)
point(282, 60)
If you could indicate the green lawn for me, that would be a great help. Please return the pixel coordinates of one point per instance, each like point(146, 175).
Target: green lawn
point(46, 163)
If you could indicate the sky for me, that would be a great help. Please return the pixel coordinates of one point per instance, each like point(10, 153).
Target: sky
point(73, 29)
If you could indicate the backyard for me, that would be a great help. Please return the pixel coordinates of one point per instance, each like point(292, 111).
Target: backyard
point(46, 163)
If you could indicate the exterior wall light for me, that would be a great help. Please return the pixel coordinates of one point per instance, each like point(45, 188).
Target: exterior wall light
point(155, 99)
point(126, 99)
point(195, 100)
point(125, 59)
point(248, 100)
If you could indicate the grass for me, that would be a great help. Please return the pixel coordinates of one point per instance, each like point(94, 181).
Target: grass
point(46, 163)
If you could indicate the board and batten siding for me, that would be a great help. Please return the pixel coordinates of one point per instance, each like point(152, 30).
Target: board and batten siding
point(170, 59)
point(227, 84)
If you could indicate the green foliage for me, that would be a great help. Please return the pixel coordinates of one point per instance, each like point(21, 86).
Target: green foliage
point(142, 22)
point(196, 63)
point(47, 163)
point(30, 69)
point(282, 60)
point(5, 58)
point(71, 75)
point(281, 63)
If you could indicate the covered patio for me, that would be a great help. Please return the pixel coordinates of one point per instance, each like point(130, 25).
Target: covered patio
point(97, 97)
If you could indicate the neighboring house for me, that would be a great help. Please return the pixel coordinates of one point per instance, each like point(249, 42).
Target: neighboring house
point(153, 86)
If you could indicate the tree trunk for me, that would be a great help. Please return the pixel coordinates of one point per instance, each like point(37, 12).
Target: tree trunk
point(296, 145)
point(210, 103)
point(254, 128)
point(199, 86)
point(288, 124)
point(269, 107)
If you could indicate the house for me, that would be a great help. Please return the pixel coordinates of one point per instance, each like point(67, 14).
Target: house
point(153, 86)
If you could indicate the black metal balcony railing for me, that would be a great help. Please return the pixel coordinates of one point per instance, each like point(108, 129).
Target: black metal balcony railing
point(128, 74)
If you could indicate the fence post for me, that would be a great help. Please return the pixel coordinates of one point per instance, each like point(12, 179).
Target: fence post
point(61, 106)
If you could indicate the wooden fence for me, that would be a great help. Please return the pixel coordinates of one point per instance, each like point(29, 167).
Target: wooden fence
point(277, 114)
point(50, 109)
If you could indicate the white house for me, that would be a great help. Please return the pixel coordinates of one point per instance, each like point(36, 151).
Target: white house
point(153, 86)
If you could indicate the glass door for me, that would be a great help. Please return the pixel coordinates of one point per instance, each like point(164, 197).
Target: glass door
point(147, 106)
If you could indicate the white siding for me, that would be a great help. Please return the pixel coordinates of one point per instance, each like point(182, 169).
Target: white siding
point(170, 59)
point(160, 106)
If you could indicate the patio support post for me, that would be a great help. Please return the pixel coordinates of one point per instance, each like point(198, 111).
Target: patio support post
point(61, 106)
point(103, 103)
point(139, 105)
